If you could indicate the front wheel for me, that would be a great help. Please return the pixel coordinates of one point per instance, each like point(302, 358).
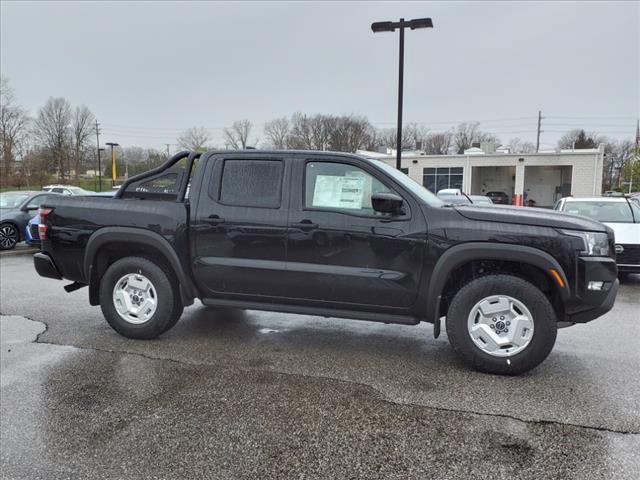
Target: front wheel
point(8, 236)
point(501, 324)
point(139, 299)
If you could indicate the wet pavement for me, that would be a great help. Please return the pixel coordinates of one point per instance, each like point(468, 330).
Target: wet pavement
point(245, 394)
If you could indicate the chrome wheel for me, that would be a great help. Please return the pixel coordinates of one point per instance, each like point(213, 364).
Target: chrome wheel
point(8, 237)
point(135, 298)
point(500, 325)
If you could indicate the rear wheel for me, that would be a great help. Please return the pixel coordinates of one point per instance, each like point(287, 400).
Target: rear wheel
point(501, 324)
point(8, 236)
point(139, 299)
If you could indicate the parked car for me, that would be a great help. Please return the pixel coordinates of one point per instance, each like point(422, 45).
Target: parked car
point(66, 190)
point(622, 215)
point(480, 200)
point(500, 198)
point(335, 235)
point(16, 209)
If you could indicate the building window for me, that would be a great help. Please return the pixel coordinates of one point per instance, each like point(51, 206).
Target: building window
point(436, 179)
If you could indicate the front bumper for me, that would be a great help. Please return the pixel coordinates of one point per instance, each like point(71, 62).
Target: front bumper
point(45, 266)
point(590, 304)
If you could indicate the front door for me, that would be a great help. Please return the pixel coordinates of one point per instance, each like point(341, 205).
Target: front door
point(240, 225)
point(340, 252)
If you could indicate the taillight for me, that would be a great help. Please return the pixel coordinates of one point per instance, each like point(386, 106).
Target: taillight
point(42, 228)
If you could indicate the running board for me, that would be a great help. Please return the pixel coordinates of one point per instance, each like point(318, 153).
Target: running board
point(317, 311)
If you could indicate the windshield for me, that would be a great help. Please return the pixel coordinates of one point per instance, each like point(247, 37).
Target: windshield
point(422, 193)
point(12, 199)
point(601, 211)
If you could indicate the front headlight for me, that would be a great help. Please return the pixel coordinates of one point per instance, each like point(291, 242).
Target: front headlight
point(595, 244)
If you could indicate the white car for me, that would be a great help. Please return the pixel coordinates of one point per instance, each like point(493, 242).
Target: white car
point(622, 215)
point(66, 190)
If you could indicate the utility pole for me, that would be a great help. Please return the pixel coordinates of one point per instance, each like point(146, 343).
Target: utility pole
point(539, 125)
point(168, 152)
point(98, 151)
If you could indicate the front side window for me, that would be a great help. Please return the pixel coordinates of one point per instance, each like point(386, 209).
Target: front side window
point(340, 186)
point(251, 183)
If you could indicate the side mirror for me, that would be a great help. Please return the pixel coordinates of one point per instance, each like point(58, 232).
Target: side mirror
point(29, 209)
point(386, 203)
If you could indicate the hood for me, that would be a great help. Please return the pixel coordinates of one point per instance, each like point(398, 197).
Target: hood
point(539, 217)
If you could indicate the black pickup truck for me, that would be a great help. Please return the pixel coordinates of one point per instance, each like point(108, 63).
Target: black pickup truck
point(334, 235)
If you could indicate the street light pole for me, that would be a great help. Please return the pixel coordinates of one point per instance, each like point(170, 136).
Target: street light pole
point(400, 92)
point(377, 27)
point(113, 162)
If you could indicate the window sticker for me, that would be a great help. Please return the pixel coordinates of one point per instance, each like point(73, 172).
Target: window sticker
point(338, 192)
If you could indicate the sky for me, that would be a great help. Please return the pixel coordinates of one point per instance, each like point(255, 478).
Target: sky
point(151, 69)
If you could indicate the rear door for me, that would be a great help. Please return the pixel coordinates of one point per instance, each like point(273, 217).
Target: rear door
point(240, 224)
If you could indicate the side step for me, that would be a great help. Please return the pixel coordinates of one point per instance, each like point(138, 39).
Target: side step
point(318, 311)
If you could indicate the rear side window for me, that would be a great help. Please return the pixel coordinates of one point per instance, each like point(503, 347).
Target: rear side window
point(251, 183)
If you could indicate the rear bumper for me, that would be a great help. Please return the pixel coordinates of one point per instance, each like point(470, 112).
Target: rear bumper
point(45, 266)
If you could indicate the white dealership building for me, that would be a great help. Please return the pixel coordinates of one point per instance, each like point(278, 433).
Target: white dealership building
point(543, 177)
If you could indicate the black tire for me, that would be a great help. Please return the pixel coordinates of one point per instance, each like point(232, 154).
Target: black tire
point(623, 277)
point(169, 306)
point(9, 236)
point(544, 318)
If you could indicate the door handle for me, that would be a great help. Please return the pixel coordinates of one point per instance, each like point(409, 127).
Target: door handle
point(213, 219)
point(306, 225)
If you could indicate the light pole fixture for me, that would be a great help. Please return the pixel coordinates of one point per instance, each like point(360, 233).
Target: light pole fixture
point(378, 27)
point(113, 162)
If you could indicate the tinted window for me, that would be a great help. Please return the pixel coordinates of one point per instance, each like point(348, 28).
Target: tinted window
point(340, 186)
point(57, 190)
point(251, 183)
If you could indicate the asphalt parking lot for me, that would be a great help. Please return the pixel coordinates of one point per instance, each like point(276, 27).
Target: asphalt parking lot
point(244, 394)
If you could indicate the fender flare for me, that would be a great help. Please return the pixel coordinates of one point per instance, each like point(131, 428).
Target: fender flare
point(139, 236)
point(457, 255)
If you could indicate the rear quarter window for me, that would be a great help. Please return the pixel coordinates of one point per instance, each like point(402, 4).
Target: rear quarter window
point(251, 183)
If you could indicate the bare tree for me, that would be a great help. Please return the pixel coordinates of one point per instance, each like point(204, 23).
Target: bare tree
point(438, 143)
point(83, 130)
point(348, 133)
point(300, 137)
point(53, 130)
point(237, 136)
point(277, 131)
point(579, 139)
point(14, 123)
point(195, 138)
point(466, 134)
point(517, 145)
point(389, 137)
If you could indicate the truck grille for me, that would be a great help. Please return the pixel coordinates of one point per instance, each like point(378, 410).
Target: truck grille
point(629, 256)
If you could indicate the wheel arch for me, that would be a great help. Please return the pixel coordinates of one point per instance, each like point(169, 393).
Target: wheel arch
point(458, 256)
point(119, 242)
